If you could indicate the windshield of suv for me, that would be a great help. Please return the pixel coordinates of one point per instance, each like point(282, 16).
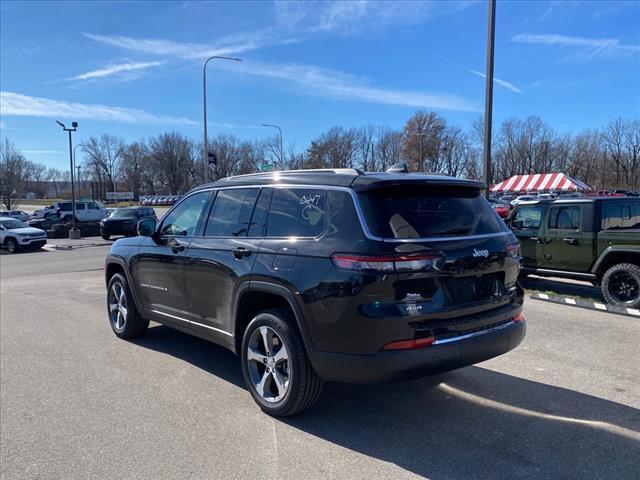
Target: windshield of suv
point(407, 212)
point(11, 224)
point(124, 212)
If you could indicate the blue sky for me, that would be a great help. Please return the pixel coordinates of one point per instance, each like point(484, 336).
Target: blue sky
point(135, 69)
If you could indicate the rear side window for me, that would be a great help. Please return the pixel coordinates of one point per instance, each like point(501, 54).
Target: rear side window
point(80, 206)
point(297, 212)
point(65, 207)
point(620, 215)
point(231, 212)
point(407, 212)
point(564, 218)
point(527, 217)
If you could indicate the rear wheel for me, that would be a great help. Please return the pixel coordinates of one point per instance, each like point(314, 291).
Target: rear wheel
point(275, 366)
point(12, 245)
point(621, 285)
point(124, 318)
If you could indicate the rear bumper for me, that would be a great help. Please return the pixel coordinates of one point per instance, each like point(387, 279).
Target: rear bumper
point(386, 366)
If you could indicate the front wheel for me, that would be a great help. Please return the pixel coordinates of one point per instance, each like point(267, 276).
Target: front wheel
point(12, 245)
point(621, 285)
point(275, 366)
point(124, 318)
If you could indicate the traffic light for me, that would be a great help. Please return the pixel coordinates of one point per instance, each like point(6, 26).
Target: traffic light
point(213, 160)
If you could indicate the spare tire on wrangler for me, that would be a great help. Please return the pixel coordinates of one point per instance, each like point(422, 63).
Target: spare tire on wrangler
point(621, 285)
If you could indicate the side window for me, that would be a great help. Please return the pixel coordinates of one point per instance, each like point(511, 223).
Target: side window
point(259, 218)
point(620, 216)
point(564, 218)
point(527, 217)
point(65, 207)
point(184, 219)
point(231, 212)
point(92, 206)
point(80, 206)
point(297, 212)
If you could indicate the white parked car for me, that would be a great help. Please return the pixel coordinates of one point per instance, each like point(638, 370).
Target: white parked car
point(85, 211)
point(547, 196)
point(17, 214)
point(522, 198)
point(42, 212)
point(16, 235)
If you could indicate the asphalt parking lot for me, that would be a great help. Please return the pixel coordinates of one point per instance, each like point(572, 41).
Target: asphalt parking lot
point(76, 402)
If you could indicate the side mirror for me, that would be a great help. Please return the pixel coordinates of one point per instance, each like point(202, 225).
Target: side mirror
point(146, 227)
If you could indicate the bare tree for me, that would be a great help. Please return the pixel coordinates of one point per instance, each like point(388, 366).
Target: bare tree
point(422, 136)
point(172, 158)
point(135, 160)
point(103, 158)
point(14, 170)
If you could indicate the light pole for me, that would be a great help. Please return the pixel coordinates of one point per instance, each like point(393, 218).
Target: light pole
point(281, 151)
point(74, 127)
point(488, 98)
point(204, 105)
point(78, 167)
point(75, 164)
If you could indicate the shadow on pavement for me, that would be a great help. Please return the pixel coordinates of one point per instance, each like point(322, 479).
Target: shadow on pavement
point(562, 287)
point(470, 423)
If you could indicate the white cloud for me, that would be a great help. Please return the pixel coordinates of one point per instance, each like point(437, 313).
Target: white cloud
point(318, 81)
point(502, 83)
point(23, 105)
point(591, 45)
point(359, 15)
point(230, 45)
point(115, 69)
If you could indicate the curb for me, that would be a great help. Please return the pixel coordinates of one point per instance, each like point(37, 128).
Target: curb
point(588, 304)
point(53, 247)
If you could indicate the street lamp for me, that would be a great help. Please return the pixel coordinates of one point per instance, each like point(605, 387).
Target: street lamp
point(281, 151)
point(77, 167)
point(204, 104)
point(74, 127)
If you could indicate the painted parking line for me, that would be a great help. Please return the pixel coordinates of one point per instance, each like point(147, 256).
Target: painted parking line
point(584, 303)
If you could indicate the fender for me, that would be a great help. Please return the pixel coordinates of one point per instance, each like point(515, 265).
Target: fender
point(630, 249)
point(258, 286)
point(113, 259)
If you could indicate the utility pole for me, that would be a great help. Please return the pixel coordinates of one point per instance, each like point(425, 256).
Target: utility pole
point(488, 99)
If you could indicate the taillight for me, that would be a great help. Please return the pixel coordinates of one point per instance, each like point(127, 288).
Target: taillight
point(387, 263)
point(518, 318)
point(513, 250)
point(409, 344)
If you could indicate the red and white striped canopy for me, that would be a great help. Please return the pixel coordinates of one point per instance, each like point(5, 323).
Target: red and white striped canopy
point(540, 181)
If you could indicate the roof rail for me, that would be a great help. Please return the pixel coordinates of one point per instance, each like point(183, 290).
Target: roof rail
point(343, 171)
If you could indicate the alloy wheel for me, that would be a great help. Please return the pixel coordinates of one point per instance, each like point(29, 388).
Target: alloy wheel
point(118, 307)
point(624, 287)
point(268, 364)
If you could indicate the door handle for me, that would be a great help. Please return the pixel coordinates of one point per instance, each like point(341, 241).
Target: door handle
point(241, 252)
point(571, 241)
point(176, 246)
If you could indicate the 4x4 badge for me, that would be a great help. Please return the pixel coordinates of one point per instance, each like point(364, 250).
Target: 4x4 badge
point(480, 253)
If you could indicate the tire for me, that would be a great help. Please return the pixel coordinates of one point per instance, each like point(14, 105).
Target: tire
point(105, 237)
point(301, 384)
point(11, 245)
point(123, 315)
point(621, 285)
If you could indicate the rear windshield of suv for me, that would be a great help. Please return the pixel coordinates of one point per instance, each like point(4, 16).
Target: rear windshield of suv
point(406, 212)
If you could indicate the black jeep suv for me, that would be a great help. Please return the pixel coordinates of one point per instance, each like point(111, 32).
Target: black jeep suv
point(326, 275)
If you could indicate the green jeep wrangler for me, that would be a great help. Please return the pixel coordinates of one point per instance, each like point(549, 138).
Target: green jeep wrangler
point(594, 239)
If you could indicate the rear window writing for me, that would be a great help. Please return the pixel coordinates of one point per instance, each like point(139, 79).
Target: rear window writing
point(406, 212)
